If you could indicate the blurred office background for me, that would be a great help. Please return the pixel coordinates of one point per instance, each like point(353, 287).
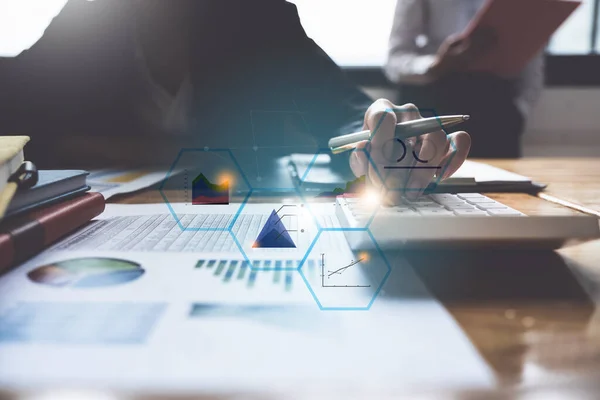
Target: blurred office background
point(355, 34)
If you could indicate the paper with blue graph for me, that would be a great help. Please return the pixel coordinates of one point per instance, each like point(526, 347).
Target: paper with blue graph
point(274, 234)
point(144, 302)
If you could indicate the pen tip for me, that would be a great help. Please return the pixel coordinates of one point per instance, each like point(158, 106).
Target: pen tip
point(466, 117)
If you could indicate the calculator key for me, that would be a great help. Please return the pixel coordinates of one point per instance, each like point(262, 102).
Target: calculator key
point(430, 206)
point(463, 206)
point(490, 206)
point(481, 201)
point(509, 211)
point(443, 197)
point(471, 196)
point(434, 212)
point(423, 203)
point(470, 212)
point(454, 201)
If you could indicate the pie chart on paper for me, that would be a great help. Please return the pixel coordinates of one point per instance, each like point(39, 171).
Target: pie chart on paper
point(87, 272)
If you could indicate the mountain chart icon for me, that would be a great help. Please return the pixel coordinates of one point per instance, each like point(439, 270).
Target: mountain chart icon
point(274, 234)
point(205, 192)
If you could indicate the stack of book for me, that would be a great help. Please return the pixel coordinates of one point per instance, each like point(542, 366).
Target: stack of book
point(38, 207)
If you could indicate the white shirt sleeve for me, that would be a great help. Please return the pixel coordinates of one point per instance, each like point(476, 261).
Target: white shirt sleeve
point(406, 62)
point(530, 84)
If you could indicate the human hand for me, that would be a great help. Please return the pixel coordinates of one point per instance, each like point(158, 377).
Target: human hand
point(457, 52)
point(432, 150)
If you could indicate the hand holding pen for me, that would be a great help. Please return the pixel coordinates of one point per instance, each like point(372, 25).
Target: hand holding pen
point(406, 164)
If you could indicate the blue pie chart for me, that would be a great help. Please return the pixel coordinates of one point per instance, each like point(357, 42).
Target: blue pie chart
point(87, 272)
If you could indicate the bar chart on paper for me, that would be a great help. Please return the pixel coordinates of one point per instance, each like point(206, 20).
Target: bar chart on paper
point(279, 273)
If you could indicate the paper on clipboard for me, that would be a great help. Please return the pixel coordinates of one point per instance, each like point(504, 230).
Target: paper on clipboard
point(521, 29)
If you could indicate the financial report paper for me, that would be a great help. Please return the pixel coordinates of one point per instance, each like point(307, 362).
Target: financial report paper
point(142, 300)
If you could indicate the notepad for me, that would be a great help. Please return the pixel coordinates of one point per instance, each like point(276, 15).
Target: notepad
point(521, 29)
point(471, 177)
point(53, 186)
point(484, 173)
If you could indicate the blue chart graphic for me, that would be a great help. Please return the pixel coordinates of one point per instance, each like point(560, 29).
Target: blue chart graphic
point(205, 192)
point(274, 234)
point(88, 272)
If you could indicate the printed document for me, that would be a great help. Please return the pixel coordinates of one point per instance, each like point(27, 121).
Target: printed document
point(152, 298)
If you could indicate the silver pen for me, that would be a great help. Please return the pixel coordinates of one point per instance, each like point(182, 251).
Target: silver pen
point(404, 130)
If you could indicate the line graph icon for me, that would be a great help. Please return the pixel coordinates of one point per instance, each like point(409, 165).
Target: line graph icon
point(344, 279)
point(327, 274)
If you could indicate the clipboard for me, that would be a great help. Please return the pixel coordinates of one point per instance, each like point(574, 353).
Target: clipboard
point(521, 29)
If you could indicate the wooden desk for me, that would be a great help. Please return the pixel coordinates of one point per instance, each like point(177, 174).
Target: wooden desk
point(573, 179)
point(531, 315)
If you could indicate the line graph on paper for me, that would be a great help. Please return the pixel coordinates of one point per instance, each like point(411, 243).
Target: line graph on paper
point(332, 273)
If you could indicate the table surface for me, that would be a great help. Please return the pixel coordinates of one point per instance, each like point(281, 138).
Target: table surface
point(538, 320)
point(531, 315)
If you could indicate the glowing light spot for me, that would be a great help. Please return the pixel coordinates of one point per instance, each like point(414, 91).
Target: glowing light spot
point(372, 198)
point(364, 256)
point(225, 177)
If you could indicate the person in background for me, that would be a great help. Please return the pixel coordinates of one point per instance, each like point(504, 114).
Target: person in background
point(130, 82)
point(427, 59)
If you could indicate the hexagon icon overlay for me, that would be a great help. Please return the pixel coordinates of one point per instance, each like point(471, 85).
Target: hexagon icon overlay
point(327, 183)
point(273, 236)
point(339, 279)
point(396, 159)
point(211, 183)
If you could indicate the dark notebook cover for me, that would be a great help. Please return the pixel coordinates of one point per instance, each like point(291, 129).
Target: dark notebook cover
point(23, 236)
point(52, 186)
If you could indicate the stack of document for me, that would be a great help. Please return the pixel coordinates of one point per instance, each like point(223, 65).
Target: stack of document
point(38, 207)
point(471, 177)
point(478, 177)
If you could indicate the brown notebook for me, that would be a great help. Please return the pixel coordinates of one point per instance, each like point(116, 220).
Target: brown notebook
point(23, 236)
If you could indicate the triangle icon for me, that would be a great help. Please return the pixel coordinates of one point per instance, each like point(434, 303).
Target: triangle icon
point(274, 234)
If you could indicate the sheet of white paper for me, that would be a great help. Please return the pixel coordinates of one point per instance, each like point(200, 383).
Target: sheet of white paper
point(487, 173)
point(470, 173)
point(194, 319)
point(111, 182)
